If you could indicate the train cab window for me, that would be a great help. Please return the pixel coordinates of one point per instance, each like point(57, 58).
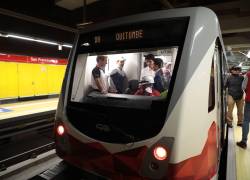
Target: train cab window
point(211, 97)
point(124, 75)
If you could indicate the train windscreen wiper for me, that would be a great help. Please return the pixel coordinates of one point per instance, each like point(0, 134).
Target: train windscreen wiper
point(130, 137)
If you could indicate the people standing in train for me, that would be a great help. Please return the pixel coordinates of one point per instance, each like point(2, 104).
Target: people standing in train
point(159, 78)
point(235, 95)
point(99, 80)
point(118, 80)
point(148, 70)
point(246, 120)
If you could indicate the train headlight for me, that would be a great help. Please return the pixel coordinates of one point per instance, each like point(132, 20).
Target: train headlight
point(60, 130)
point(160, 153)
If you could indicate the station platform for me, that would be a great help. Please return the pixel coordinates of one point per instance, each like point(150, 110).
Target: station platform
point(27, 107)
point(242, 155)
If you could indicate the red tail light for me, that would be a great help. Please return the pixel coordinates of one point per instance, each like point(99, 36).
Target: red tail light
point(60, 130)
point(160, 153)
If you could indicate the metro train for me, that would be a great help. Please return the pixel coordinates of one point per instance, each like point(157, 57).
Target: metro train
point(179, 135)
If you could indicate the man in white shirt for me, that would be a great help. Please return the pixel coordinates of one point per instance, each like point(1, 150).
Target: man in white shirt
point(148, 70)
point(99, 80)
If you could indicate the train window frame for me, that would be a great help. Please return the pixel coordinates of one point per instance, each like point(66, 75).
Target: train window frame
point(164, 52)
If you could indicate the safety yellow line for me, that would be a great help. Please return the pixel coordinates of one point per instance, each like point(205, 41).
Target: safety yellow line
point(242, 155)
point(31, 107)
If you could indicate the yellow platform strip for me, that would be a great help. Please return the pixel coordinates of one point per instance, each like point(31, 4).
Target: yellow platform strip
point(242, 155)
point(28, 107)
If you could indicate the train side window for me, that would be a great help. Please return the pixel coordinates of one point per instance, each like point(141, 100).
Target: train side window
point(211, 97)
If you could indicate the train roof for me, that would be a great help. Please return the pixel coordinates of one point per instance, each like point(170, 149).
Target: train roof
point(201, 15)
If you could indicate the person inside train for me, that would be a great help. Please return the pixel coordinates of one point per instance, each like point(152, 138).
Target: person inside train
point(167, 74)
point(133, 85)
point(246, 120)
point(145, 87)
point(148, 70)
point(99, 80)
point(235, 95)
point(118, 80)
point(159, 80)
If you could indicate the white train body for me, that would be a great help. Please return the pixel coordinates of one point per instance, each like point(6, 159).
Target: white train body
point(192, 131)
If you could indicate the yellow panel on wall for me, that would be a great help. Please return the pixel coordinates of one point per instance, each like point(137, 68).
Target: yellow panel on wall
point(2, 80)
point(52, 79)
point(62, 72)
point(26, 81)
point(8, 80)
point(40, 79)
point(11, 80)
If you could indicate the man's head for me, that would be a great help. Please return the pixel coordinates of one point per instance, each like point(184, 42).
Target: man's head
point(120, 62)
point(149, 60)
point(157, 63)
point(101, 61)
point(236, 70)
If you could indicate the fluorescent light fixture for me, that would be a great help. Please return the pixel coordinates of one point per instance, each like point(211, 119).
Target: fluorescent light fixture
point(4, 35)
point(59, 47)
point(85, 44)
point(67, 45)
point(20, 37)
point(35, 40)
point(248, 54)
point(45, 42)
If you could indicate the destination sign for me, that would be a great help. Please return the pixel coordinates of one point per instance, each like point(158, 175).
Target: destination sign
point(167, 32)
point(129, 35)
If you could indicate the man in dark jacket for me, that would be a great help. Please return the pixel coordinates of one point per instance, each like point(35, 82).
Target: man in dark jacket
point(235, 95)
point(158, 79)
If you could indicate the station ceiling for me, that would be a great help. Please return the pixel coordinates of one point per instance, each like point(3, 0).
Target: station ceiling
point(57, 20)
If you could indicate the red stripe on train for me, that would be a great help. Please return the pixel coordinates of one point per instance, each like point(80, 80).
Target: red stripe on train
point(32, 59)
point(203, 166)
point(126, 164)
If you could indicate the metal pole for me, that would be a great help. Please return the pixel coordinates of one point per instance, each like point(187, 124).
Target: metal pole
point(84, 9)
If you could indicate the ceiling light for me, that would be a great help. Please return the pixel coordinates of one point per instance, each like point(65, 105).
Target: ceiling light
point(4, 35)
point(34, 40)
point(67, 45)
point(86, 44)
point(59, 47)
point(248, 54)
point(20, 37)
point(46, 42)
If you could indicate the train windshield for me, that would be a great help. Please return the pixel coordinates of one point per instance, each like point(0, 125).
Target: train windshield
point(119, 91)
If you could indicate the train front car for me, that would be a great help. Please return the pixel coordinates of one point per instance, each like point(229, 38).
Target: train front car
point(157, 119)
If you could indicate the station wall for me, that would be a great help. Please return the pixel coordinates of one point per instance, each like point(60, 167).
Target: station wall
point(27, 76)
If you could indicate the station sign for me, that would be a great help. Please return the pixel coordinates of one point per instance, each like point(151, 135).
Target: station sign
point(32, 59)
